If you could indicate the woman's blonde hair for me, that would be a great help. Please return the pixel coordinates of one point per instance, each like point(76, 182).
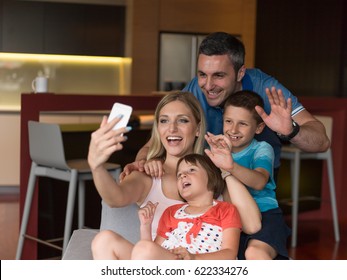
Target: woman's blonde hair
point(157, 150)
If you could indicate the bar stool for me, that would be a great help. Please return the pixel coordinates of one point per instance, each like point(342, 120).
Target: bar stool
point(295, 156)
point(48, 160)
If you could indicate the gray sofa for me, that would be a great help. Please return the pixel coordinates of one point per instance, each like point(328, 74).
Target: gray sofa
point(123, 220)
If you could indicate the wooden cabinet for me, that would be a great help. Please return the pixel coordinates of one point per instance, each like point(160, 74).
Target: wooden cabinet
point(62, 28)
point(22, 27)
point(105, 30)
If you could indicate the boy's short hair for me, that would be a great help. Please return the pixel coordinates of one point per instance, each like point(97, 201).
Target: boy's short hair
point(246, 99)
point(216, 184)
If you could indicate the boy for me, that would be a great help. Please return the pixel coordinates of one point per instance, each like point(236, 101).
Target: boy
point(252, 163)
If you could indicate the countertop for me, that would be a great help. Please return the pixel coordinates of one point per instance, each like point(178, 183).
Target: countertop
point(9, 108)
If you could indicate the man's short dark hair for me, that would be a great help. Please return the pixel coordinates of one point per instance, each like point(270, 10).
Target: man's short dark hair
point(221, 43)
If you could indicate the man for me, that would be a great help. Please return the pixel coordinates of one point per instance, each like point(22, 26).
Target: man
point(221, 72)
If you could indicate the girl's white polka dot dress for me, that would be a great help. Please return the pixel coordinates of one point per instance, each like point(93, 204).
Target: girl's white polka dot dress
point(207, 240)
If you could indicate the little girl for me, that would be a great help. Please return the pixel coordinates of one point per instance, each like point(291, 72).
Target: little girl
point(201, 228)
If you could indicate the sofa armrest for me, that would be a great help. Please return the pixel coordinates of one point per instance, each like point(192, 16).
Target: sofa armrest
point(79, 246)
point(122, 220)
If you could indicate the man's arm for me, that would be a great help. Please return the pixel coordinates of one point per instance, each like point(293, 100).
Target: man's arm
point(312, 135)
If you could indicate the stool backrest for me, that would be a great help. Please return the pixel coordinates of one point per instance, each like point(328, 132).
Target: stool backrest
point(327, 121)
point(46, 145)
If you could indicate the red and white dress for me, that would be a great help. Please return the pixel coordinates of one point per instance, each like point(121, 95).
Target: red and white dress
point(198, 233)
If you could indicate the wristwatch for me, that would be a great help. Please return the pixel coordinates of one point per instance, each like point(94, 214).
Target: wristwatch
point(290, 136)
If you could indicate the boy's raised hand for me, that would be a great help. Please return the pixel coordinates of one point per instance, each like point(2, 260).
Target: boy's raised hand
point(220, 150)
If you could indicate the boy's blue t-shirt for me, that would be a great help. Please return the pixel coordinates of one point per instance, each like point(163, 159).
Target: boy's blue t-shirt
point(260, 154)
point(257, 81)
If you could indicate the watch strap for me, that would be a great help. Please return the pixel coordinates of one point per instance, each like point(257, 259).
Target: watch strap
point(295, 131)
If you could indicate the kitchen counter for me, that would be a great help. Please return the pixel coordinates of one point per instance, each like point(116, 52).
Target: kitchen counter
point(9, 109)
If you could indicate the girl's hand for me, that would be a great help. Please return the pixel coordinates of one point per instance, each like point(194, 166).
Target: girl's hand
point(182, 254)
point(146, 213)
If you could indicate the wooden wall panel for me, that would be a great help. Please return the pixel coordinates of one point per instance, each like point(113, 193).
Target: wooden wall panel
point(150, 18)
point(204, 16)
point(232, 16)
point(144, 46)
point(299, 42)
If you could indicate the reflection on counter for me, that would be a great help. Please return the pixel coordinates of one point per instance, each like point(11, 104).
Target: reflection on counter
point(66, 74)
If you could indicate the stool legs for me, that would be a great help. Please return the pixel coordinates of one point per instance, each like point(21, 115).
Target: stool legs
point(295, 173)
point(72, 177)
point(81, 203)
point(82, 193)
point(333, 196)
point(70, 207)
point(26, 211)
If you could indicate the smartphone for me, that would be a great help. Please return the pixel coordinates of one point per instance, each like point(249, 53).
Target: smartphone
point(120, 109)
